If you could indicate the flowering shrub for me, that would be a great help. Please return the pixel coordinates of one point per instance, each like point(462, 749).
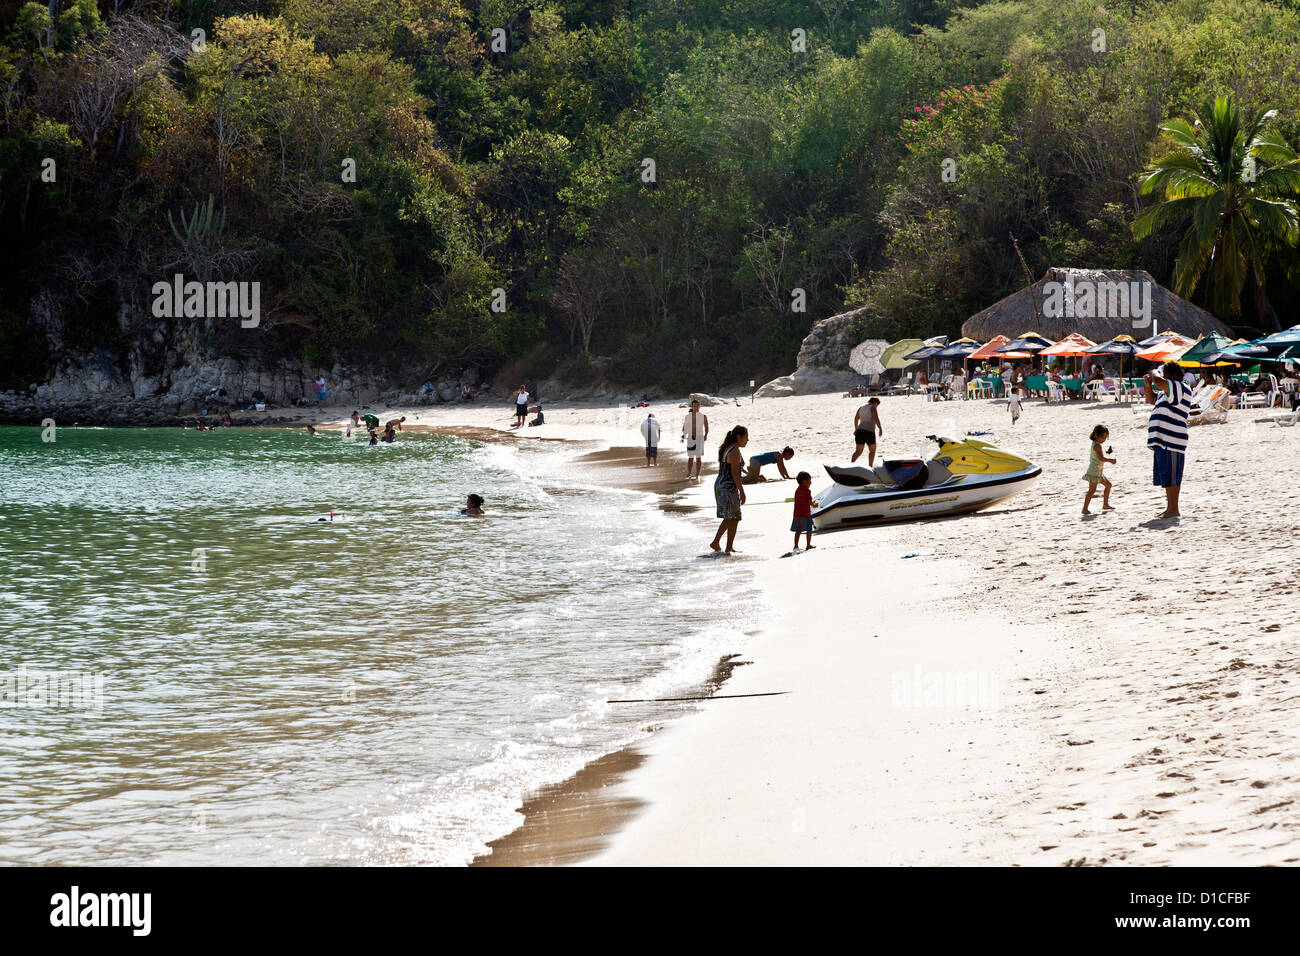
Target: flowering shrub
point(957, 122)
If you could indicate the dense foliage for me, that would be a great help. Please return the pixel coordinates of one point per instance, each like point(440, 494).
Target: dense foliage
point(665, 182)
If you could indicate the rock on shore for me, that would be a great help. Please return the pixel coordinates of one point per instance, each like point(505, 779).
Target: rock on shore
point(823, 361)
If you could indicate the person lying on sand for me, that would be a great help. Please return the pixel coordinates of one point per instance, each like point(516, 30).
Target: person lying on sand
point(756, 463)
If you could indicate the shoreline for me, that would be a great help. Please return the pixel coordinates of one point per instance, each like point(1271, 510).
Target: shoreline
point(1126, 727)
point(1138, 674)
point(573, 820)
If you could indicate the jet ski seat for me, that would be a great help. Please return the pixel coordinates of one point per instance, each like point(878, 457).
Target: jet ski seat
point(909, 475)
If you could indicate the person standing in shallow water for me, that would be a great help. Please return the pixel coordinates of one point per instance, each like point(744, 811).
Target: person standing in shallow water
point(727, 488)
point(695, 432)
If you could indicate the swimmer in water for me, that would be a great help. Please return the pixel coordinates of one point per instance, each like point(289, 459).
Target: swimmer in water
point(374, 437)
point(311, 429)
point(473, 506)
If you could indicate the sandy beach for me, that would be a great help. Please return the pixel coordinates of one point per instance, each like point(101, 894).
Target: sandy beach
point(1023, 686)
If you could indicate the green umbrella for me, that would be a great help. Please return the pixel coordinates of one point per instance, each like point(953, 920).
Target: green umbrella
point(892, 358)
point(1204, 352)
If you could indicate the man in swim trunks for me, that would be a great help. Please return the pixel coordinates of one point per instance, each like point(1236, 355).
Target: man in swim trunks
point(756, 463)
point(396, 423)
point(866, 426)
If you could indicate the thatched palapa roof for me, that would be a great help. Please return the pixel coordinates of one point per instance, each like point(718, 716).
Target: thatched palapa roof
point(1015, 313)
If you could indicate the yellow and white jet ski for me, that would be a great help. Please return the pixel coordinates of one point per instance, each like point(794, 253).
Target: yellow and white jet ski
point(964, 476)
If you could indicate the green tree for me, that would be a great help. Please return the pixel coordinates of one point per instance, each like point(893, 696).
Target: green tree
point(1237, 183)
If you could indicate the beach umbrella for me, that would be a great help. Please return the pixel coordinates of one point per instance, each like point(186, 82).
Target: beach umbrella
point(894, 358)
point(1201, 355)
point(1168, 350)
point(865, 357)
point(1159, 339)
point(1285, 338)
point(1237, 355)
point(924, 352)
point(1120, 345)
point(1027, 342)
point(987, 350)
point(937, 340)
point(961, 349)
point(1073, 345)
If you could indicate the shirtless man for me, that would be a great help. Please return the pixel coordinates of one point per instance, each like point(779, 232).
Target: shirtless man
point(866, 426)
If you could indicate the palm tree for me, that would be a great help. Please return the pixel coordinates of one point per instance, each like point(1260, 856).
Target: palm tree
point(1237, 182)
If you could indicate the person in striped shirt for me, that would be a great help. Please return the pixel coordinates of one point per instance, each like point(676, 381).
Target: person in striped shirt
point(1167, 431)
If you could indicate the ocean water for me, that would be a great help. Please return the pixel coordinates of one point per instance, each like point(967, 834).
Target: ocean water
point(237, 682)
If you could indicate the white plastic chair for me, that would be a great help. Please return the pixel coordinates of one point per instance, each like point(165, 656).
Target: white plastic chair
point(1274, 391)
point(1287, 419)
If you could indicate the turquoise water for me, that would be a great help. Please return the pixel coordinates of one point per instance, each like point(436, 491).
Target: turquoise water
point(383, 688)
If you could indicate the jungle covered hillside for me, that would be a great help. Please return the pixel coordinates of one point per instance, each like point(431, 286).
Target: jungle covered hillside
point(682, 186)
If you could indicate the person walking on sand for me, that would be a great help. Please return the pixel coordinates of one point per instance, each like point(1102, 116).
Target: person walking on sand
point(866, 426)
point(1167, 431)
point(320, 389)
point(1096, 462)
point(695, 432)
point(728, 491)
point(650, 432)
point(1013, 404)
point(803, 523)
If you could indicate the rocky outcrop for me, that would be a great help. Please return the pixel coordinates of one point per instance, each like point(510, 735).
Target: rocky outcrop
point(823, 361)
point(160, 372)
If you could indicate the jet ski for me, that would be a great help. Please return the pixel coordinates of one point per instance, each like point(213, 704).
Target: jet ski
point(964, 476)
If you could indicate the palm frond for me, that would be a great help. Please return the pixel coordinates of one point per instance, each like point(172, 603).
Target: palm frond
point(1162, 214)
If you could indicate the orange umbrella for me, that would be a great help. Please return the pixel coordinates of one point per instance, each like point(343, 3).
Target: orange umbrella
point(1168, 350)
point(1073, 345)
point(986, 351)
